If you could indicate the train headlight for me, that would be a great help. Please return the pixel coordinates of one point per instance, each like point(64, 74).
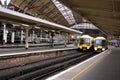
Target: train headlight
point(103, 49)
point(95, 48)
point(88, 47)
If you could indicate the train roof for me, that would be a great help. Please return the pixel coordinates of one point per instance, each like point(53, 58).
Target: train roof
point(100, 37)
point(86, 36)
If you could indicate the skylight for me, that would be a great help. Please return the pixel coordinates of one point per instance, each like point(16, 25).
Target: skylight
point(84, 26)
point(5, 2)
point(66, 12)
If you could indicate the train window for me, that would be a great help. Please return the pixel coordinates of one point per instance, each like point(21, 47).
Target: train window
point(100, 42)
point(84, 41)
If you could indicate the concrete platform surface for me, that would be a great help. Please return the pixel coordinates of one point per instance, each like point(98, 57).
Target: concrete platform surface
point(15, 51)
point(104, 66)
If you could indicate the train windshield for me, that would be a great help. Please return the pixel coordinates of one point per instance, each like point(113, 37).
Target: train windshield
point(84, 41)
point(100, 42)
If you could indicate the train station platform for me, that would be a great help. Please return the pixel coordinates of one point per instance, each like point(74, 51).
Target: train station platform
point(103, 66)
point(22, 45)
point(37, 49)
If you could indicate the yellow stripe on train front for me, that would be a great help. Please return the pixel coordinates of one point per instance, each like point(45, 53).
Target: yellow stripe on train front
point(99, 47)
point(84, 45)
point(88, 47)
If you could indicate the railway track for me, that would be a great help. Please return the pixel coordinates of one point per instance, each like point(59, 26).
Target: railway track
point(63, 66)
point(44, 68)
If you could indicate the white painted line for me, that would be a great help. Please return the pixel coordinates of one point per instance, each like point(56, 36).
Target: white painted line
point(61, 73)
point(39, 51)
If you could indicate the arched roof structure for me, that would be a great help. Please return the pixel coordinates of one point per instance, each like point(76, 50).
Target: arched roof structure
point(105, 14)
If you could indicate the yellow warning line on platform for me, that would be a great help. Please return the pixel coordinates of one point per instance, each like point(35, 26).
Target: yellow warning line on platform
point(89, 66)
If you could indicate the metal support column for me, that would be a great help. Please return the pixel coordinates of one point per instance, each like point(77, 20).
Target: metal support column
point(68, 38)
point(49, 36)
point(4, 33)
point(52, 40)
point(26, 38)
point(33, 36)
point(65, 40)
point(41, 32)
point(21, 40)
point(13, 37)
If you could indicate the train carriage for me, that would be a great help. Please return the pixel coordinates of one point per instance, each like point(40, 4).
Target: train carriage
point(85, 43)
point(100, 44)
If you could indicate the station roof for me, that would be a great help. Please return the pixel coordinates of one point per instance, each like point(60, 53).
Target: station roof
point(45, 9)
point(105, 14)
point(105, 17)
point(16, 17)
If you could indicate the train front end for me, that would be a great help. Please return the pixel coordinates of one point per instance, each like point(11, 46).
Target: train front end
point(85, 43)
point(100, 44)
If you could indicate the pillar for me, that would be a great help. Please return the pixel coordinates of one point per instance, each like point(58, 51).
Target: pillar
point(4, 33)
point(26, 37)
point(52, 40)
point(21, 40)
point(49, 36)
point(68, 38)
point(13, 34)
point(65, 40)
point(13, 37)
point(33, 36)
point(41, 36)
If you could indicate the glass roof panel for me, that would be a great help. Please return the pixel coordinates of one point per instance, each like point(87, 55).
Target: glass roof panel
point(84, 26)
point(5, 1)
point(66, 12)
